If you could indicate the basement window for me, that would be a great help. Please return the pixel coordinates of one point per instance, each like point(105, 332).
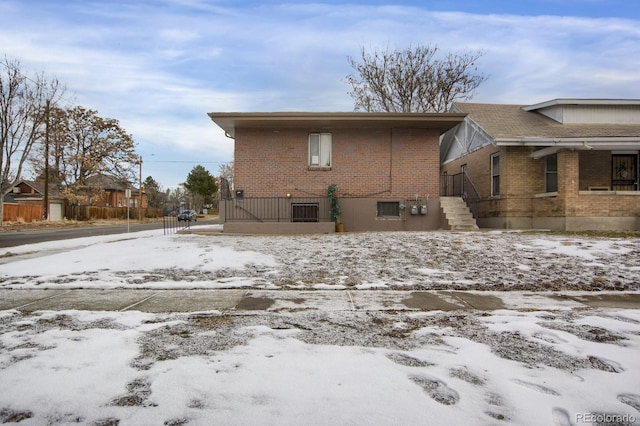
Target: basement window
point(388, 209)
point(304, 212)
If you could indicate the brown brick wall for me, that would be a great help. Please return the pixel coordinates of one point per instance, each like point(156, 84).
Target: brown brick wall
point(385, 163)
point(416, 163)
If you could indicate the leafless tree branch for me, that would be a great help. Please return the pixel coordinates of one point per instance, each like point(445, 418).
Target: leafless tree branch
point(413, 80)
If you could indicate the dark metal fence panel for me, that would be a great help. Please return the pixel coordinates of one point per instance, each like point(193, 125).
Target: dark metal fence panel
point(451, 185)
point(171, 224)
point(459, 185)
point(277, 209)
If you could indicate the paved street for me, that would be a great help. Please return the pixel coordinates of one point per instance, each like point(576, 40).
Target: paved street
point(157, 301)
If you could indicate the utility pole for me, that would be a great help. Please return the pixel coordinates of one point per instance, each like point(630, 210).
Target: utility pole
point(45, 209)
point(127, 194)
point(140, 192)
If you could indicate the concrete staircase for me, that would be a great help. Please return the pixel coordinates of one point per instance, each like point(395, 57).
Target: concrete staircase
point(457, 214)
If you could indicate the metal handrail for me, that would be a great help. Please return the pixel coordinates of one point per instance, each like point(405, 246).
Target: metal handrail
point(460, 185)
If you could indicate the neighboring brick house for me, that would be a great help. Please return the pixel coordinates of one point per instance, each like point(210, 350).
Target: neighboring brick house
point(383, 164)
point(108, 191)
point(567, 164)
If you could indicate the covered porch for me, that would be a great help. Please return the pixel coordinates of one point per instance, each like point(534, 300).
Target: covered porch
point(592, 185)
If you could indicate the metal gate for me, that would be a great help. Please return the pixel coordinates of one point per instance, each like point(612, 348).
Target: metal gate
point(624, 172)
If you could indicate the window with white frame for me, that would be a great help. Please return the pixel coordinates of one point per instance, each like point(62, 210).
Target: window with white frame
point(320, 149)
point(495, 174)
point(551, 173)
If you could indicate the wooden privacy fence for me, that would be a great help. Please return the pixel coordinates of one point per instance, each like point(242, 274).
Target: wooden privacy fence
point(33, 212)
point(92, 212)
point(21, 212)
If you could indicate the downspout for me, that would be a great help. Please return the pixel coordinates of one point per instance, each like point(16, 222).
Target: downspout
point(391, 160)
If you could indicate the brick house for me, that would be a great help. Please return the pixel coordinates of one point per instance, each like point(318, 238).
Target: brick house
point(386, 167)
point(567, 164)
point(108, 191)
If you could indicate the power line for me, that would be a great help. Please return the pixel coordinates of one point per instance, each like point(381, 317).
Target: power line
point(186, 161)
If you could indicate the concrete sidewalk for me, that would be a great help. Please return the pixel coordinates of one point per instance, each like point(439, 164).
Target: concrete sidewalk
point(157, 301)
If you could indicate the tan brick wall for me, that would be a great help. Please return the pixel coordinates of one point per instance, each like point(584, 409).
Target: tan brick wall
point(568, 180)
point(607, 205)
point(478, 168)
point(365, 163)
point(523, 176)
point(522, 181)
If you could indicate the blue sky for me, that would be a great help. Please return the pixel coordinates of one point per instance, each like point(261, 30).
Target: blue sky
point(158, 66)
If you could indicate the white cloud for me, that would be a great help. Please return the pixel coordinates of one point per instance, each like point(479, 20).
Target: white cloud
point(159, 67)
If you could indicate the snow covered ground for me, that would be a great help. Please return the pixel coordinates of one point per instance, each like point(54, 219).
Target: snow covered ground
point(323, 365)
point(394, 260)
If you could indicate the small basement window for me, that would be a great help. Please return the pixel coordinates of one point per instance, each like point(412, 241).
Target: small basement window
point(388, 208)
point(304, 212)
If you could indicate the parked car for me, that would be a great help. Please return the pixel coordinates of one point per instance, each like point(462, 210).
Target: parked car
point(188, 215)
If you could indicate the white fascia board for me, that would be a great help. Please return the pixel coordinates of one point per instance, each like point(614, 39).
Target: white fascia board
point(526, 141)
point(536, 155)
point(554, 102)
point(604, 142)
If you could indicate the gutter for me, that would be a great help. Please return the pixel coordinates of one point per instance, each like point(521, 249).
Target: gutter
point(553, 145)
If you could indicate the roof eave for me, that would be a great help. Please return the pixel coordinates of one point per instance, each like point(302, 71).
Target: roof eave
point(552, 145)
point(566, 101)
point(229, 122)
point(631, 141)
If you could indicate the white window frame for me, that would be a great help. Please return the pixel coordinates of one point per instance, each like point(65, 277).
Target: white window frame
point(495, 175)
point(548, 172)
point(319, 150)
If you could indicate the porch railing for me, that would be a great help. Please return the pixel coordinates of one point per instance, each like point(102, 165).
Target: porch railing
point(277, 209)
point(459, 185)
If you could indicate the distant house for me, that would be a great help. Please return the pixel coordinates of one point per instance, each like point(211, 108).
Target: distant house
point(26, 202)
point(385, 165)
point(108, 191)
point(567, 164)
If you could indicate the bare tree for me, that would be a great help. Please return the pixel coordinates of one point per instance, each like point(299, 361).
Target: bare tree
point(95, 145)
point(413, 80)
point(24, 104)
point(55, 149)
point(88, 145)
point(226, 175)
